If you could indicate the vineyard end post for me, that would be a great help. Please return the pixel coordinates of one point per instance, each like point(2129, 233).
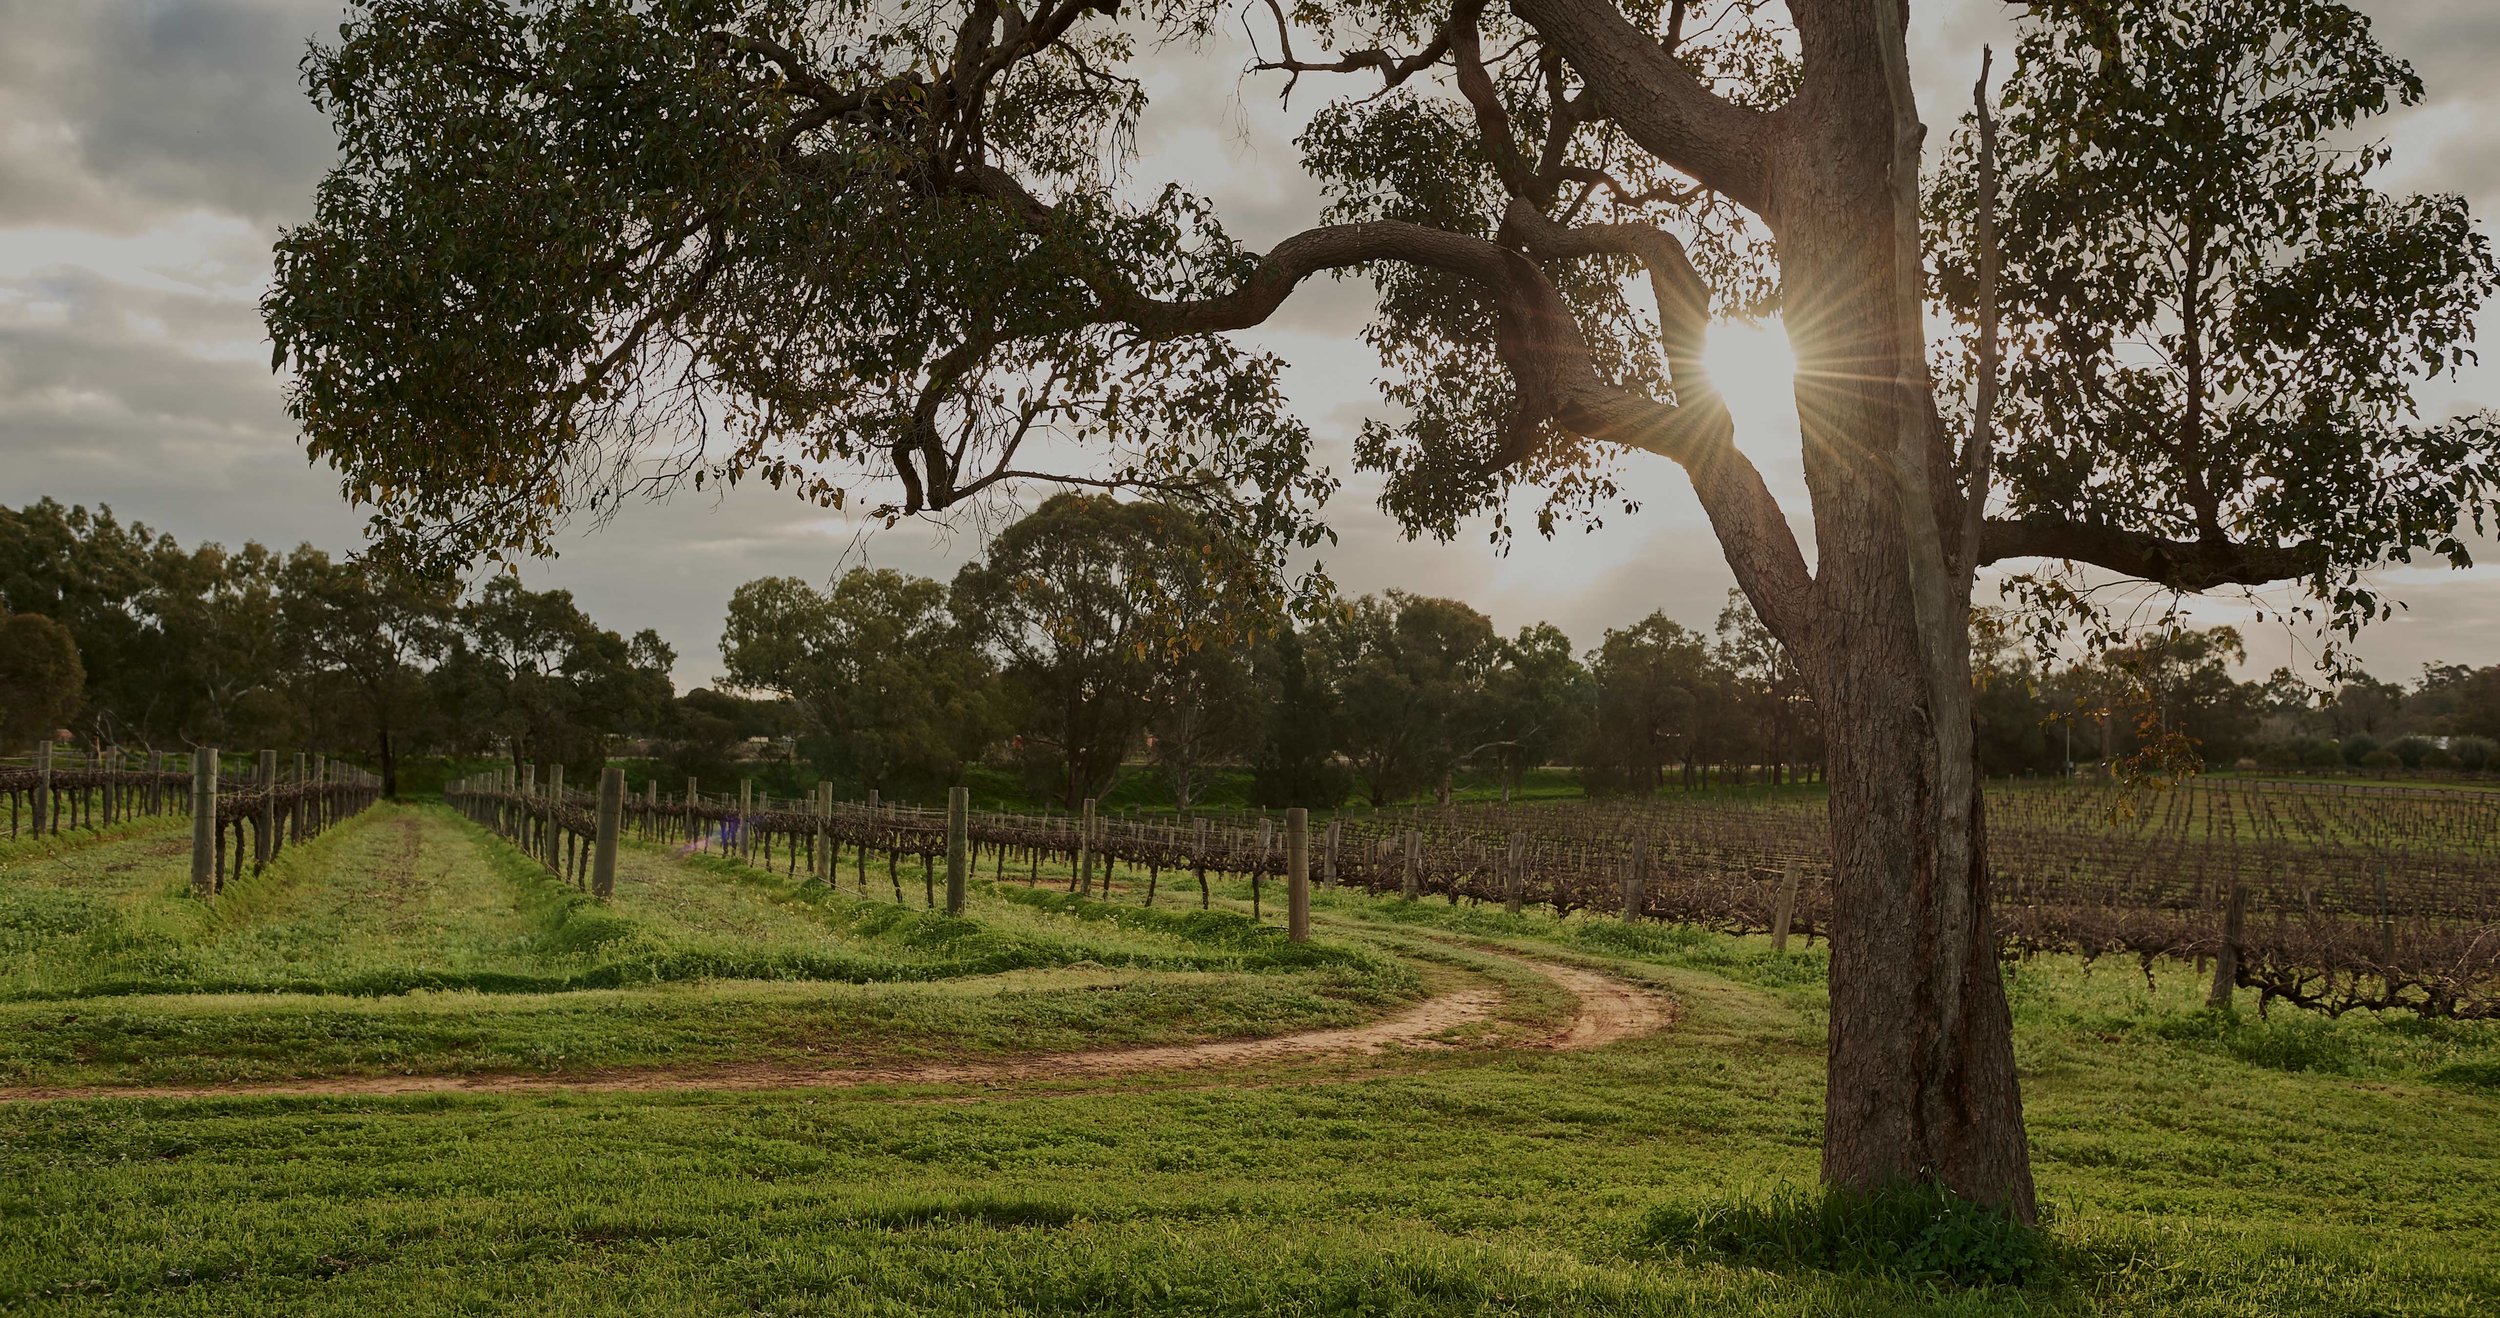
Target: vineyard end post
point(204, 822)
point(267, 842)
point(1298, 875)
point(611, 822)
point(2227, 965)
point(1085, 851)
point(1515, 875)
point(43, 785)
point(1786, 912)
point(958, 838)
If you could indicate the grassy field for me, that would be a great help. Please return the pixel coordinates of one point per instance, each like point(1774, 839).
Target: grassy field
point(2192, 1162)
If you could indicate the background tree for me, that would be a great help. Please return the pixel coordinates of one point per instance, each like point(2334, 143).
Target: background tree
point(1408, 674)
point(86, 572)
point(40, 677)
point(838, 248)
point(1534, 702)
point(546, 682)
point(888, 683)
point(1771, 693)
point(1296, 763)
point(1646, 676)
point(1090, 600)
point(376, 630)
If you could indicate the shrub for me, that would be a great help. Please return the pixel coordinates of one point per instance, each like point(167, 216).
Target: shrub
point(2320, 753)
point(2411, 750)
point(2475, 754)
point(2359, 747)
point(2384, 762)
point(2439, 758)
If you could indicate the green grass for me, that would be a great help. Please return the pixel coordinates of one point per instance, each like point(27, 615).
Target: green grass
point(409, 941)
point(2190, 1162)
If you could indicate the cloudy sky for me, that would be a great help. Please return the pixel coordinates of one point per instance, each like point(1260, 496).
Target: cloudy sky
point(151, 149)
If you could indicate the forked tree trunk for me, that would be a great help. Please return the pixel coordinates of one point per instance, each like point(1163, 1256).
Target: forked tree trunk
point(1921, 1072)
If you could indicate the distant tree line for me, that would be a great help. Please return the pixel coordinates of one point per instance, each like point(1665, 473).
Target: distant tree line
point(1098, 631)
point(1096, 636)
point(122, 636)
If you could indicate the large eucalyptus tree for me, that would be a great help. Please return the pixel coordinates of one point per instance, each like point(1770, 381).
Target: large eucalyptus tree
point(894, 250)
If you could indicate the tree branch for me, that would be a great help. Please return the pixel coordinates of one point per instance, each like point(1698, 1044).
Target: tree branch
point(2188, 565)
point(1655, 99)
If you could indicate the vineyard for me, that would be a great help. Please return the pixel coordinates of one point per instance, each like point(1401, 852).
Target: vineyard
point(652, 1036)
point(2327, 898)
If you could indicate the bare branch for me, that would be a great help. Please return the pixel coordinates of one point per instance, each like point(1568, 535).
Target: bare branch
point(1978, 452)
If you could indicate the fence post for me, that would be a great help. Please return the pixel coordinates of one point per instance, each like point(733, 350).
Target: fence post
point(1515, 875)
point(1328, 863)
point(746, 806)
point(820, 803)
point(43, 785)
point(2227, 965)
point(1085, 850)
point(266, 843)
point(1411, 882)
point(553, 834)
point(1636, 883)
point(611, 822)
point(958, 838)
point(1786, 911)
point(1298, 875)
point(204, 823)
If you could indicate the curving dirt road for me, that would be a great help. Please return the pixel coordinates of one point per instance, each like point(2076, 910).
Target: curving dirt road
point(1609, 1010)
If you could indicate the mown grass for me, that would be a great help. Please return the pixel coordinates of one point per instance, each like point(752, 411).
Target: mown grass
point(408, 941)
point(2191, 1163)
point(405, 899)
point(1662, 1176)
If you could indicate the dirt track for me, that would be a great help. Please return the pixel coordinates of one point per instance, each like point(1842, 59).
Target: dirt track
point(1609, 1010)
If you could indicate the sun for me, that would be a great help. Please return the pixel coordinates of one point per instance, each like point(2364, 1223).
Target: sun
point(1756, 372)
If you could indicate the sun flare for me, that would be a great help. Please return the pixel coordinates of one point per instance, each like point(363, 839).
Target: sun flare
point(1751, 363)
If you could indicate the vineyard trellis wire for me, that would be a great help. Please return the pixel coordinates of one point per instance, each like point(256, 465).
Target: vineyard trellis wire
point(2377, 899)
point(256, 813)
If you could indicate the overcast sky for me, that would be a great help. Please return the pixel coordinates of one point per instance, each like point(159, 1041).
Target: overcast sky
point(151, 149)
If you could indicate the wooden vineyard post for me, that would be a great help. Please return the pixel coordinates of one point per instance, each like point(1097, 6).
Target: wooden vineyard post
point(1515, 875)
point(1636, 884)
point(1411, 881)
point(2227, 965)
point(611, 822)
point(1198, 860)
point(553, 834)
point(204, 823)
point(1328, 864)
point(43, 785)
point(746, 807)
point(958, 841)
point(821, 799)
point(1085, 851)
point(1298, 875)
point(297, 825)
point(267, 841)
point(1786, 912)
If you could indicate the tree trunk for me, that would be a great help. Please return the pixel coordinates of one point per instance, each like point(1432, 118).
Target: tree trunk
point(390, 766)
point(1921, 1071)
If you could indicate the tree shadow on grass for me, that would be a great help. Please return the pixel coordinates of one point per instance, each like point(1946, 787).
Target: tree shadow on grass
point(1918, 1233)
